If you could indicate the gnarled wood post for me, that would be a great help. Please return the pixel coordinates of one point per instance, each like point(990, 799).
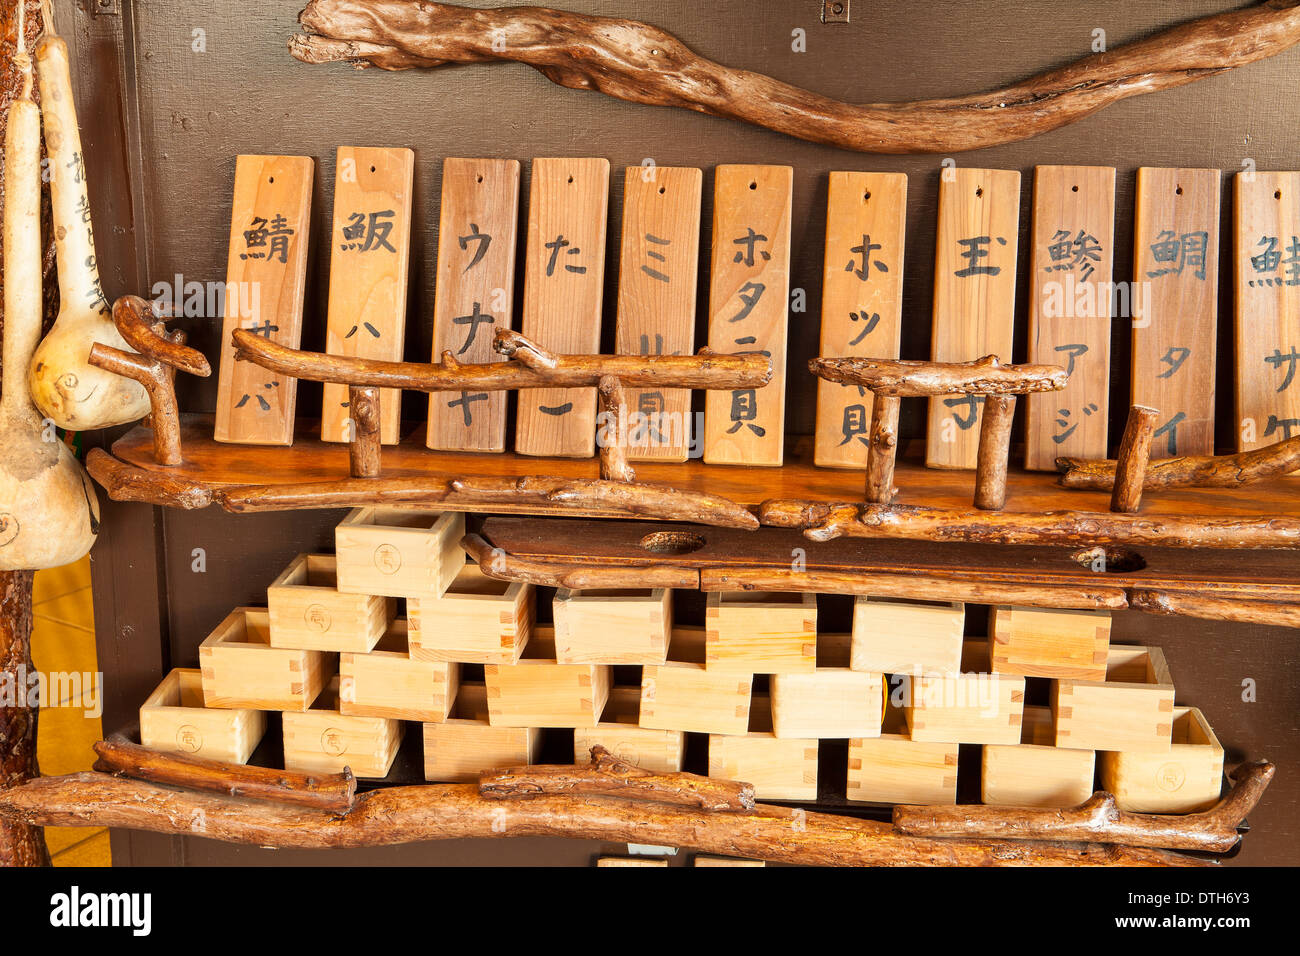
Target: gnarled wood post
point(1131, 463)
point(882, 448)
point(364, 449)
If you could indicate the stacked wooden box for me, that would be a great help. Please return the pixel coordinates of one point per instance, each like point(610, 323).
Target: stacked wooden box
point(906, 689)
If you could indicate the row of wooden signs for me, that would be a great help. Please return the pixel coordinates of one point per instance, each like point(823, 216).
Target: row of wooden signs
point(1171, 302)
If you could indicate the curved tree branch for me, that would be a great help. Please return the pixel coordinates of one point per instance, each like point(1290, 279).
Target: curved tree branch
point(634, 61)
point(1189, 471)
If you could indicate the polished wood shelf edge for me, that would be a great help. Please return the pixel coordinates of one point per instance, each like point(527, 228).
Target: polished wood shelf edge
point(217, 465)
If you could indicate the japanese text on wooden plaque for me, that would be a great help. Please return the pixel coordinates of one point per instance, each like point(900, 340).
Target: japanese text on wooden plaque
point(1070, 292)
point(266, 272)
point(474, 295)
point(564, 275)
point(657, 276)
point(862, 302)
point(1176, 278)
point(974, 296)
point(748, 309)
point(1267, 253)
point(369, 254)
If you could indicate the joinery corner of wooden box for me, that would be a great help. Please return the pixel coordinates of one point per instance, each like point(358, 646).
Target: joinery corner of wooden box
point(894, 768)
point(308, 611)
point(174, 718)
point(389, 682)
point(1036, 772)
point(1186, 779)
point(761, 632)
point(321, 739)
point(612, 625)
point(1131, 710)
point(477, 620)
point(241, 669)
point(398, 552)
point(460, 748)
point(1049, 642)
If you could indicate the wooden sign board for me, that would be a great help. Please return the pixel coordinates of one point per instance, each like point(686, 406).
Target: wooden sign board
point(749, 294)
point(974, 296)
point(1267, 256)
point(369, 254)
point(564, 278)
point(1070, 265)
point(657, 277)
point(474, 295)
point(266, 271)
point(862, 302)
point(1174, 301)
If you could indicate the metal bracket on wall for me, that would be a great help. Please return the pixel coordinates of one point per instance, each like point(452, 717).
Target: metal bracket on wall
point(105, 8)
point(835, 11)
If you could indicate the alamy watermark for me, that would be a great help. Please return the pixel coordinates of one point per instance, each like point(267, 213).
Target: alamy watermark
point(33, 688)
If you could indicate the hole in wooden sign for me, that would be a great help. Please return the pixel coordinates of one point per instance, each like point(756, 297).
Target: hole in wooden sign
point(1074, 189)
point(1113, 560)
point(866, 195)
point(1277, 194)
point(672, 542)
point(662, 190)
point(570, 179)
point(1179, 190)
point(979, 192)
point(753, 185)
point(479, 178)
point(270, 179)
point(372, 169)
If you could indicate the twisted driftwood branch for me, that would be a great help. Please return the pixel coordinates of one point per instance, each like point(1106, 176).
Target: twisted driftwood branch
point(910, 378)
point(1189, 471)
point(398, 815)
point(531, 367)
point(332, 792)
point(824, 521)
point(1098, 820)
point(160, 354)
point(125, 482)
point(1212, 608)
point(640, 63)
point(503, 566)
point(615, 498)
point(614, 465)
point(914, 586)
point(607, 776)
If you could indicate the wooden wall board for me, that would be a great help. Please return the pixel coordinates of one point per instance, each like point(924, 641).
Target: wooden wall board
point(1175, 301)
point(657, 279)
point(974, 296)
point(749, 297)
point(266, 275)
point(1266, 259)
point(1071, 265)
point(862, 302)
point(564, 276)
point(370, 248)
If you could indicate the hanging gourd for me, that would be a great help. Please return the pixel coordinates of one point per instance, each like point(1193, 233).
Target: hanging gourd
point(66, 388)
point(49, 515)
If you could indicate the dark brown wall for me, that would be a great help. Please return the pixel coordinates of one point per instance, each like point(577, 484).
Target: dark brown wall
point(164, 124)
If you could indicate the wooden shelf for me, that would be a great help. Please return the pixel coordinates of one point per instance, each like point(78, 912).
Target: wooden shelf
point(218, 465)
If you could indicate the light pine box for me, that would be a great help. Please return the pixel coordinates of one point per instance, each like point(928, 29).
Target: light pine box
point(612, 625)
point(893, 768)
point(971, 707)
point(907, 637)
point(1186, 779)
point(1035, 772)
point(323, 740)
point(682, 694)
point(465, 745)
point(389, 682)
point(242, 670)
point(398, 552)
point(478, 620)
point(1049, 642)
point(619, 732)
point(308, 612)
point(831, 702)
point(779, 768)
point(540, 692)
point(761, 632)
point(174, 719)
point(1131, 710)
